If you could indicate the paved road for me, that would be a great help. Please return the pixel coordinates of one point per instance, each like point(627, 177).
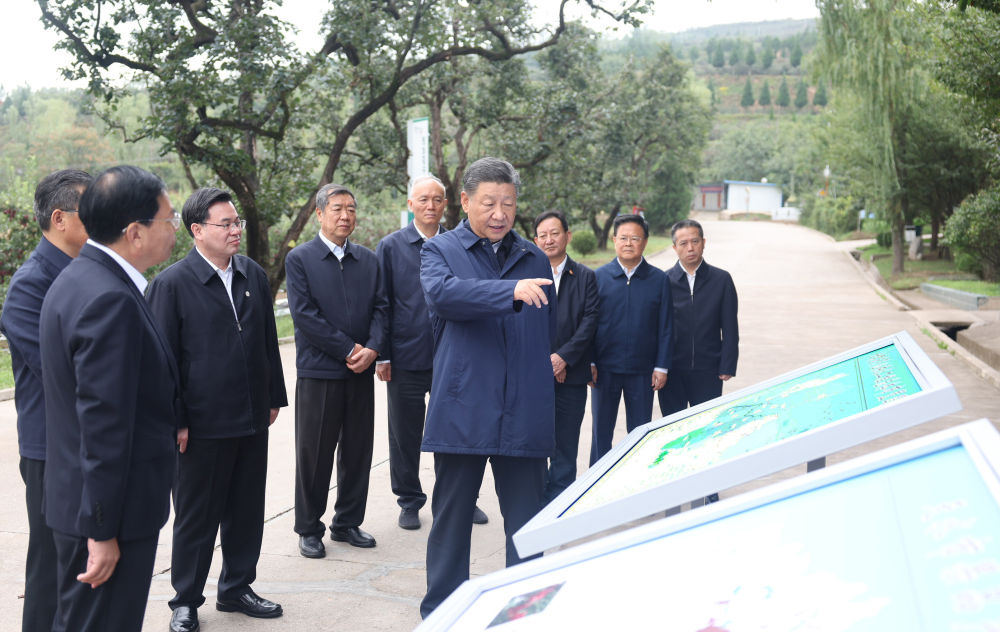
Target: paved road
point(801, 300)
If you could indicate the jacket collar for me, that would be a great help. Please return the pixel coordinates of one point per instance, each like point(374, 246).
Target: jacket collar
point(323, 250)
point(203, 271)
point(641, 270)
point(415, 236)
point(678, 272)
point(469, 239)
point(517, 245)
point(48, 251)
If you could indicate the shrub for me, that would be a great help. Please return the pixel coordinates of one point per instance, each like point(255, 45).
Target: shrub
point(974, 230)
point(833, 216)
point(884, 239)
point(584, 242)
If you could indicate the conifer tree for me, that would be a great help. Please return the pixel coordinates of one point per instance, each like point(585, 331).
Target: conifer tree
point(783, 97)
point(765, 95)
point(801, 95)
point(747, 99)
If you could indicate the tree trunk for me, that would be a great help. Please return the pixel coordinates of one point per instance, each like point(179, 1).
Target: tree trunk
point(935, 229)
point(898, 254)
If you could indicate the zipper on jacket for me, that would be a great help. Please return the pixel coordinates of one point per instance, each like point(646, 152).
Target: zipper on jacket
point(692, 326)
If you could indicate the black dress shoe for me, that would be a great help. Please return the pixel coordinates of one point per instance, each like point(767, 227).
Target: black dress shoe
point(184, 619)
point(251, 604)
point(409, 519)
point(479, 516)
point(353, 536)
point(311, 546)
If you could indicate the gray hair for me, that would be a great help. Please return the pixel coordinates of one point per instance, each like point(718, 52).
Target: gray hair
point(328, 191)
point(490, 170)
point(425, 178)
point(686, 223)
point(59, 190)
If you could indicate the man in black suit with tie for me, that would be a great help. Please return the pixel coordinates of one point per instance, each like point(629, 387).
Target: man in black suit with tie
point(339, 308)
point(110, 393)
point(57, 197)
point(576, 310)
point(215, 309)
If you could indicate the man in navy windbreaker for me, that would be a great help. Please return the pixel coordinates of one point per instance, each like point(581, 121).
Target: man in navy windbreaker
point(492, 307)
point(632, 348)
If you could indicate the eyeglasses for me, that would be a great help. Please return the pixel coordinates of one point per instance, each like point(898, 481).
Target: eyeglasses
point(624, 239)
point(228, 226)
point(174, 219)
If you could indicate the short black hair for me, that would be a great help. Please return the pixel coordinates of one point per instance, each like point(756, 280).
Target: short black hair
point(490, 170)
point(59, 190)
point(633, 219)
point(686, 223)
point(328, 191)
point(196, 207)
point(117, 197)
point(550, 214)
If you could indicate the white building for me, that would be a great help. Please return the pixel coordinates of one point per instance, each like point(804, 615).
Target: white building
point(752, 197)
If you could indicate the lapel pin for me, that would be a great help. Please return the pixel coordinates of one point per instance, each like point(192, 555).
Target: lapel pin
point(248, 293)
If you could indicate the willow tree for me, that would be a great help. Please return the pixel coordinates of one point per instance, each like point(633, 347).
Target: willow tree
point(234, 93)
point(867, 47)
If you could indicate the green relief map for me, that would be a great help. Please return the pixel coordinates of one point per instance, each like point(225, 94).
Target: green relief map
point(760, 419)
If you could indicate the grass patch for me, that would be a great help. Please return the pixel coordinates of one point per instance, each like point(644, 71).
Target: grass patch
point(984, 288)
point(284, 325)
point(915, 272)
point(6, 372)
point(655, 245)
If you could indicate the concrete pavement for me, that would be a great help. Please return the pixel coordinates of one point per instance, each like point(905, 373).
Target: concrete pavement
point(801, 299)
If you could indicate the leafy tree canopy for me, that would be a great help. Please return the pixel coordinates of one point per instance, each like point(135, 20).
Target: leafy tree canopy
point(236, 98)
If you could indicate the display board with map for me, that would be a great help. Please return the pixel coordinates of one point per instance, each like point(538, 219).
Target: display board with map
point(755, 421)
point(859, 395)
point(904, 539)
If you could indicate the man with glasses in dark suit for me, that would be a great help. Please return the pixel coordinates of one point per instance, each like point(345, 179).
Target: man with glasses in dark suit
point(215, 309)
point(633, 342)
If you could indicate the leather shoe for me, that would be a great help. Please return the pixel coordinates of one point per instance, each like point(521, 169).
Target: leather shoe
point(409, 519)
point(184, 619)
point(251, 604)
point(353, 536)
point(311, 546)
point(479, 516)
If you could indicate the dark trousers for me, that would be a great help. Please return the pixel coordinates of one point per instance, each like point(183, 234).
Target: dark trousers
point(328, 412)
point(519, 482)
point(571, 402)
point(405, 395)
point(686, 387)
point(219, 487)
point(40, 565)
point(118, 604)
point(604, 406)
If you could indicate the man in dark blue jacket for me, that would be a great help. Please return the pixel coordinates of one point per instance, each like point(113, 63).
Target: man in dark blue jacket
point(57, 197)
point(706, 334)
point(633, 342)
point(110, 406)
point(576, 287)
point(214, 307)
point(407, 361)
point(492, 308)
point(338, 305)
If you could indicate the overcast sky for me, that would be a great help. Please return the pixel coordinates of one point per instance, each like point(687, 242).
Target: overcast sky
point(28, 58)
